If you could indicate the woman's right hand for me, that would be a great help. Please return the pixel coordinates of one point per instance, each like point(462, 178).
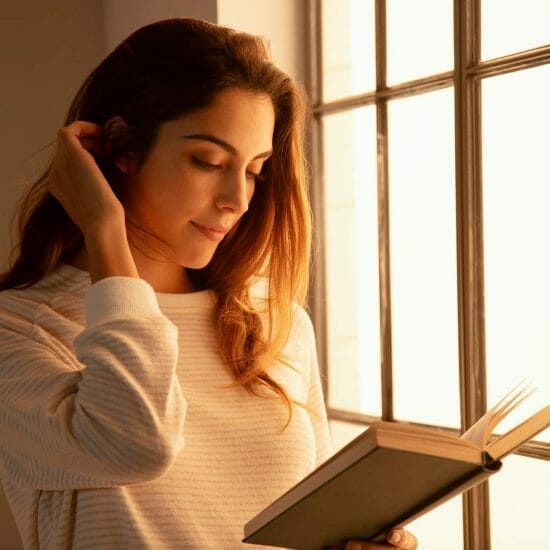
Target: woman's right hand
point(76, 180)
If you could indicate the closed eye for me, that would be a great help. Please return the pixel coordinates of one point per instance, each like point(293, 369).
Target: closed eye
point(206, 165)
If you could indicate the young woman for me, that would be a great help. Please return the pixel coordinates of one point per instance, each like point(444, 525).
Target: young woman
point(158, 379)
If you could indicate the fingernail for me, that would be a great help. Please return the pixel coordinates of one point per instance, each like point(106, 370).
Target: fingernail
point(394, 537)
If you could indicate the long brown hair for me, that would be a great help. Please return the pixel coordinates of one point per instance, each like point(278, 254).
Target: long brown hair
point(158, 73)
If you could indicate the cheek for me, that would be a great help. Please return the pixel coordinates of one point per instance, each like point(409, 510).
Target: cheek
point(175, 193)
point(183, 191)
point(251, 189)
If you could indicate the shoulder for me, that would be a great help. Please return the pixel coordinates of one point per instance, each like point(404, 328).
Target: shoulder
point(49, 312)
point(302, 325)
point(301, 344)
point(300, 321)
point(17, 310)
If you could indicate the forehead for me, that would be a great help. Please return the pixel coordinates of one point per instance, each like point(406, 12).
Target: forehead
point(243, 118)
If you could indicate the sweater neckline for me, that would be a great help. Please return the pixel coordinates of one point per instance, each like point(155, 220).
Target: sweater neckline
point(79, 281)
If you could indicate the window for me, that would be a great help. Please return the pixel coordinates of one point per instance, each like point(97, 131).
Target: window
point(431, 192)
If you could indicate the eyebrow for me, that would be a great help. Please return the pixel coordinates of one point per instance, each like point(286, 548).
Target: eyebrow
point(223, 144)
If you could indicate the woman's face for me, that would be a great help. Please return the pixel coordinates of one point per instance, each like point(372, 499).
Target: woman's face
point(199, 177)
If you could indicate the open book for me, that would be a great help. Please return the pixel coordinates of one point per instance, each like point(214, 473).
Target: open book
point(388, 476)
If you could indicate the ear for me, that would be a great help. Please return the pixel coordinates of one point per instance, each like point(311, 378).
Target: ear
point(115, 136)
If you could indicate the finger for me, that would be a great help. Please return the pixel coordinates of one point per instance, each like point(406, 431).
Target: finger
point(400, 538)
point(80, 131)
point(80, 128)
point(76, 136)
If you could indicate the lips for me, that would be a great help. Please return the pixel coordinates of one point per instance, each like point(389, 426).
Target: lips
point(212, 232)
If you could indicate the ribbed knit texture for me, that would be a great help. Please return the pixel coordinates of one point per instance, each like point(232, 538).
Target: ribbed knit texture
point(118, 428)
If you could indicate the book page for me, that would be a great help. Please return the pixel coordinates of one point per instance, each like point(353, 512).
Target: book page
point(480, 432)
point(510, 441)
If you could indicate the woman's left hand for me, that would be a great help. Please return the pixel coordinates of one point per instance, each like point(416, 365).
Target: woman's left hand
point(397, 538)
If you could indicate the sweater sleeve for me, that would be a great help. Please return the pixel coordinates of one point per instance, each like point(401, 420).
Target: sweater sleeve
point(119, 420)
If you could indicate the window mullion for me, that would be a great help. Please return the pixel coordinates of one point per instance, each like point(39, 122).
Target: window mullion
point(317, 296)
point(512, 62)
point(470, 252)
point(383, 214)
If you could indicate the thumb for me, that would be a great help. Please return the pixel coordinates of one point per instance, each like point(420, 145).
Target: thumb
point(400, 538)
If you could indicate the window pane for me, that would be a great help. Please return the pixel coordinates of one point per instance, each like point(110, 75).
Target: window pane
point(351, 247)
point(348, 57)
point(509, 26)
point(441, 528)
point(516, 178)
point(420, 38)
point(341, 433)
point(520, 502)
point(423, 258)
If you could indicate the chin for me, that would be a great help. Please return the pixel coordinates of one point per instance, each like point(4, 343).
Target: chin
point(197, 262)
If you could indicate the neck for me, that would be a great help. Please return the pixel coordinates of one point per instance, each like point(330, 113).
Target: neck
point(163, 276)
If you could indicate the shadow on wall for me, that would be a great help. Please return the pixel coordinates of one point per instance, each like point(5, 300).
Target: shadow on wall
point(9, 534)
point(46, 63)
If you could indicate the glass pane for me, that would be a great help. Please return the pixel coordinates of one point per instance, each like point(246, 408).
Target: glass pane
point(520, 504)
point(423, 258)
point(348, 58)
point(516, 200)
point(341, 433)
point(351, 248)
point(420, 38)
point(441, 528)
point(509, 26)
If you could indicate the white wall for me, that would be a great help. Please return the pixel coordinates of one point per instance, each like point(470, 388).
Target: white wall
point(43, 60)
point(122, 17)
point(282, 22)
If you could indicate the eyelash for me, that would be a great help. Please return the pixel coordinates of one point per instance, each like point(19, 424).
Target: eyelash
point(207, 166)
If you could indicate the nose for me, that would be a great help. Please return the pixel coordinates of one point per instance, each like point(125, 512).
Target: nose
point(235, 193)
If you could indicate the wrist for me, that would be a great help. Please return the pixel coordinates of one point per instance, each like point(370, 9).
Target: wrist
point(108, 251)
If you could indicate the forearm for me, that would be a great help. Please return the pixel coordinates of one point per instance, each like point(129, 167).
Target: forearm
point(108, 251)
point(112, 413)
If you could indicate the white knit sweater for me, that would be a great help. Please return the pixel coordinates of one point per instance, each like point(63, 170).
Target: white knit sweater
point(117, 425)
